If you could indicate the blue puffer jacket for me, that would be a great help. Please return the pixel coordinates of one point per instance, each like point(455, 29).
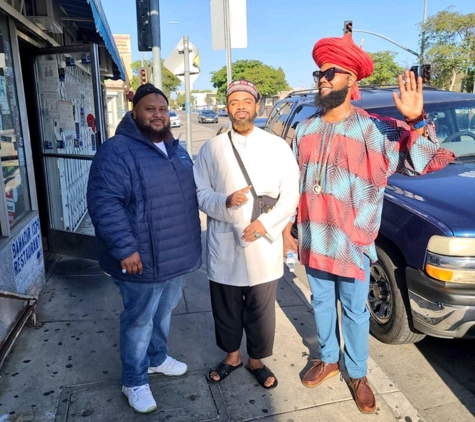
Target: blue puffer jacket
point(142, 201)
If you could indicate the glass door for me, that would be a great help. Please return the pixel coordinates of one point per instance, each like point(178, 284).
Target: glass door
point(71, 116)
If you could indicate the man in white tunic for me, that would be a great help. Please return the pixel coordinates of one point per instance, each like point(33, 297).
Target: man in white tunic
point(243, 280)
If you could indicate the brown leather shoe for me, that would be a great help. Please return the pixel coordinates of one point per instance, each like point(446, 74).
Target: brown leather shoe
point(319, 372)
point(363, 395)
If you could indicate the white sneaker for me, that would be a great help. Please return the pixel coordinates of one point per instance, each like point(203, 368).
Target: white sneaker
point(170, 367)
point(140, 398)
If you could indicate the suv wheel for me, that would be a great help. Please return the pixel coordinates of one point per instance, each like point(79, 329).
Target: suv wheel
point(388, 302)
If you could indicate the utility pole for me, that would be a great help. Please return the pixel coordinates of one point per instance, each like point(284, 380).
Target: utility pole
point(156, 43)
point(423, 35)
point(227, 42)
point(186, 53)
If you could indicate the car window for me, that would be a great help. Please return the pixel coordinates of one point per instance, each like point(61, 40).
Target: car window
point(172, 113)
point(302, 112)
point(278, 117)
point(454, 124)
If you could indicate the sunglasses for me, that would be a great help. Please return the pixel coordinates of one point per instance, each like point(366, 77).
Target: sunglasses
point(329, 74)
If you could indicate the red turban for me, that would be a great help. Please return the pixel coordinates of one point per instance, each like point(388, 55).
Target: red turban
point(345, 53)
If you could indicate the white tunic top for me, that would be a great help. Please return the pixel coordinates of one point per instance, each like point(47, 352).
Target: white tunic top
point(273, 171)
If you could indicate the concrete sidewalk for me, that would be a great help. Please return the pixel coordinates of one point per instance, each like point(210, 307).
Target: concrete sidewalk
point(68, 368)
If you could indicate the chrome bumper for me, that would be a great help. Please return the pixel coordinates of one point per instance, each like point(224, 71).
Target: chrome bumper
point(440, 319)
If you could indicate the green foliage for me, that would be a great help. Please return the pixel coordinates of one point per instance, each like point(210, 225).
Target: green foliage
point(385, 69)
point(181, 100)
point(170, 82)
point(449, 46)
point(269, 81)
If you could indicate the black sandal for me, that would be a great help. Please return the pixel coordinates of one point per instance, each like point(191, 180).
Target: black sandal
point(261, 375)
point(223, 370)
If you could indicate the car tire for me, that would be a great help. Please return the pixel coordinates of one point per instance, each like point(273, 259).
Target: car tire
point(388, 300)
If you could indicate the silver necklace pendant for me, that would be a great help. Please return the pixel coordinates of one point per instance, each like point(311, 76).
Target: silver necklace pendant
point(317, 189)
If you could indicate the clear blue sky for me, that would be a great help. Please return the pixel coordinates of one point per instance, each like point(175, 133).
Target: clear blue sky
point(282, 33)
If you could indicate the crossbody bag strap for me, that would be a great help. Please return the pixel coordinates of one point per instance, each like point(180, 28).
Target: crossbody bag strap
point(243, 169)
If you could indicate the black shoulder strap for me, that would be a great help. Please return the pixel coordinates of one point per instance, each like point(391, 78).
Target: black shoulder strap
point(241, 164)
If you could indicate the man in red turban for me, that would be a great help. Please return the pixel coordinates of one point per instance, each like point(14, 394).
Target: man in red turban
point(345, 157)
point(346, 54)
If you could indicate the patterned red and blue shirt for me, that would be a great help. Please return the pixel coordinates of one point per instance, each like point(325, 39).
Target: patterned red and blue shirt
point(350, 162)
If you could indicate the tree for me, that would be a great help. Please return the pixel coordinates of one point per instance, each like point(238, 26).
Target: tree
point(269, 81)
point(449, 46)
point(385, 69)
point(181, 100)
point(170, 82)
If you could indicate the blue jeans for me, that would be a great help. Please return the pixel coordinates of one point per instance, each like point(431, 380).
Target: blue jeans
point(326, 289)
point(144, 326)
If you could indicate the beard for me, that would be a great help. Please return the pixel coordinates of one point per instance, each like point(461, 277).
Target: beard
point(332, 100)
point(150, 132)
point(242, 125)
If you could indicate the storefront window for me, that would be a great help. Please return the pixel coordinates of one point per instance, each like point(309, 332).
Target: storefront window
point(12, 153)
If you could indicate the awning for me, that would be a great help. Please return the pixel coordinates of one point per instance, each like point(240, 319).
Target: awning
point(92, 26)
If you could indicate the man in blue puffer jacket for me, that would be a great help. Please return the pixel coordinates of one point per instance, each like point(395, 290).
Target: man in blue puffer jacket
point(142, 201)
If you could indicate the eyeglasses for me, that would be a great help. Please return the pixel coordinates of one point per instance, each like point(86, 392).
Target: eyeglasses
point(329, 74)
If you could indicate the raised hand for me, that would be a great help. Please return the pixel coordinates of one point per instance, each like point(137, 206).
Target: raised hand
point(410, 100)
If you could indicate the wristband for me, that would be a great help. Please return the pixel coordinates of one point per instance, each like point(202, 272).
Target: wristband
point(421, 124)
point(413, 122)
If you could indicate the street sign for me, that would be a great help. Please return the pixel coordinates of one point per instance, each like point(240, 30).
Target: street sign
point(237, 24)
point(175, 62)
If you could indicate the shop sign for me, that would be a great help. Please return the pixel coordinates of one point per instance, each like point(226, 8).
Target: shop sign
point(27, 255)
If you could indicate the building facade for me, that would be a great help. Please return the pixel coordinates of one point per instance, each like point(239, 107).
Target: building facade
point(118, 91)
point(54, 58)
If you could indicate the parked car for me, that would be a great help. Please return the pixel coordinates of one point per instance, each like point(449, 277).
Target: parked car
point(207, 116)
point(260, 122)
point(174, 119)
point(223, 113)
point(424, 280)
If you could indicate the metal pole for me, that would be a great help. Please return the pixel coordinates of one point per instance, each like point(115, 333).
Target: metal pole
point(156, 44)
point(227, 41)
point(387, 39)
point(186, 54)
point(423, 32)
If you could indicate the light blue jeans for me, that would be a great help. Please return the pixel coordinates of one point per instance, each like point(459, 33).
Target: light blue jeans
point(145, 325)
point(326, 289)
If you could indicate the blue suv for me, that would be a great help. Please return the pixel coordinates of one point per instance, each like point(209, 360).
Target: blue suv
point(424, 280)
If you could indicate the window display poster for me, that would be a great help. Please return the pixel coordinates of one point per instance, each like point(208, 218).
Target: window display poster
point(5, 108)
point(50, 104)
point(49, 76)
point(66, 115)
point(49, 70)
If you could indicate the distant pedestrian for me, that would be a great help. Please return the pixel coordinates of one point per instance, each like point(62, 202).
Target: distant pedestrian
point(243, 279)
point(346, 156)
point(142, 201)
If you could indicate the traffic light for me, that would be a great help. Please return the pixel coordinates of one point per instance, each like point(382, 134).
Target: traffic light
point(347, 27)
point(144, 28)
point(415, 70)
point(143, 76)
point(425, 73)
